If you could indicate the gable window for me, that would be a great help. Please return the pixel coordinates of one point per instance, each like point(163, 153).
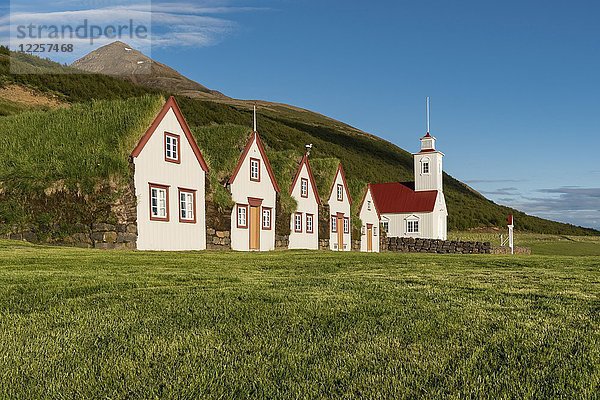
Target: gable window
point(340, 192)
point(412, 225)
point(304, 187)
point(309, 223)
point(369, 205)
point(242, 216)
point(266, 218)
point(159, 202)
point(346, 225)
point(298, 222)
point(255, 169)
point(187, 205)
point(172, 147)
point(425, 165)
point(333, 224)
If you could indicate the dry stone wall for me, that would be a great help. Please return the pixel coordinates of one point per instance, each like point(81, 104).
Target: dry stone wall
point(417, 245)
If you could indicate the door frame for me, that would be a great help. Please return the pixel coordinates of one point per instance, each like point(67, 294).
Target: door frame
point(369, 237)
point(254, 226)
point(340, 231)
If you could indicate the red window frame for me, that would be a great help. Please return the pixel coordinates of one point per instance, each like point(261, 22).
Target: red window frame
point(296, 215)
point(178, 138)
point(193, 193)
point(334, 224)
point(304, 181)
point(258, 161)
point(312, 223)
point(340, 192)
point(262, 218)
point(237, 215)
point(160, 187)
point(346, 225)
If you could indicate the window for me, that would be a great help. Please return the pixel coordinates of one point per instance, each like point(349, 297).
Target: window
point(159, 202)
point(374, 231)
point(242, 216)
point(172, 147)
point(298, 222)
point(386, 226)
point(187, 205)
point(304, 187)
point(340, 192)
point(425, 166)
point(266, 218)
point(346, 225)
point(412, 226)
point(369, 205)
point(255, 169)
point(309, 223)
point(333, 224)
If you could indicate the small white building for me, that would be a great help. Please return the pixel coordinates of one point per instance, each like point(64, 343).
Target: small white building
point(339, 202)
point(415, 211)
point(369, 215)
point(304, 223)
point(254, 191)
point(169, 184)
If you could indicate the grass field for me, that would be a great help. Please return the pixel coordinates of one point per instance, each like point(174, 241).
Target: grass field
point(541, 244)
point(92, 324)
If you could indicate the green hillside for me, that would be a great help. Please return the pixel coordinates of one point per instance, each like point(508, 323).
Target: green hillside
point(220, 127)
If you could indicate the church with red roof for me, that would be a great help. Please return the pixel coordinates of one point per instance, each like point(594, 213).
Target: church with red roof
point(415, 209)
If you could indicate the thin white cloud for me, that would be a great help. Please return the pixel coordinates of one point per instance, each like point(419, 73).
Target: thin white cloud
point(180, 23)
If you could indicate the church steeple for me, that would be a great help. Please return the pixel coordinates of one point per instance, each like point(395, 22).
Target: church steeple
point(428, 162)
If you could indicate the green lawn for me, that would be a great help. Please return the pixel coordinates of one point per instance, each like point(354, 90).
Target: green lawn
point(541, 244)
point(90, 324)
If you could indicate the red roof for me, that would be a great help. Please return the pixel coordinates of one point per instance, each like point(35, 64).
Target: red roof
point(396, 198)
point(254, 136)
point(171, 104)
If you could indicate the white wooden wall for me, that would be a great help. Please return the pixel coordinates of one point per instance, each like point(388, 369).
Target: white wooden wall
point(241, 189)
point(151, 167)
point(369, 217)
point(339, 207)
point(308, 205)
point(432, 225)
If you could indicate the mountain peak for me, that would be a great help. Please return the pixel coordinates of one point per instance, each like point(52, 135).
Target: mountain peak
point(121, 60)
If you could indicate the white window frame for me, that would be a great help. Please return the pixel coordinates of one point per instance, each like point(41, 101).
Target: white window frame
point(310, 228)
point(412, 225)
point(187, 199)
point(255, 170)
point(304, 188)
point(369, 205)
point(346, 225)
point(266, 218)
point(159, 205)
point(386, 226)
point(340, 192)
point(334, 224)
point(171, 147)
point(242, 216)
point(425, 164)
point(298, 222)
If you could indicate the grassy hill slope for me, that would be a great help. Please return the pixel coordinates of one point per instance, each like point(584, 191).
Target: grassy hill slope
point(366, 158)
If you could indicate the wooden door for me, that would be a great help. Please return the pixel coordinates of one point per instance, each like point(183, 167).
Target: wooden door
point(369, 237)
point(340, 233)
point(254, 228)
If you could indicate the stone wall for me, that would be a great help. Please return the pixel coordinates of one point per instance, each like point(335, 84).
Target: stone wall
point(416, 245)
point(323, 244)
point(355, 245)
point(506, 250)
point(282, 242)
point(218, 227)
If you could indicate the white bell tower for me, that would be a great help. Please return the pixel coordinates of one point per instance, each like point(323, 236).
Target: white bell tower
point(428, 163)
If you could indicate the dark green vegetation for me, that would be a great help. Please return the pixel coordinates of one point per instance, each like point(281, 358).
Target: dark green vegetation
point(91, 324)
point(366, 158)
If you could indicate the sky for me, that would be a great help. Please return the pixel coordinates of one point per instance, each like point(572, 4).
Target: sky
point(514, 85)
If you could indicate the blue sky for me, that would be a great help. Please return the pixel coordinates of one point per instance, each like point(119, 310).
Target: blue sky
point(514, 85)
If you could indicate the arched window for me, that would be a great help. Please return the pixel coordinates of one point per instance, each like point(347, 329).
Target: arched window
point(425, 165)
point(412, 224)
